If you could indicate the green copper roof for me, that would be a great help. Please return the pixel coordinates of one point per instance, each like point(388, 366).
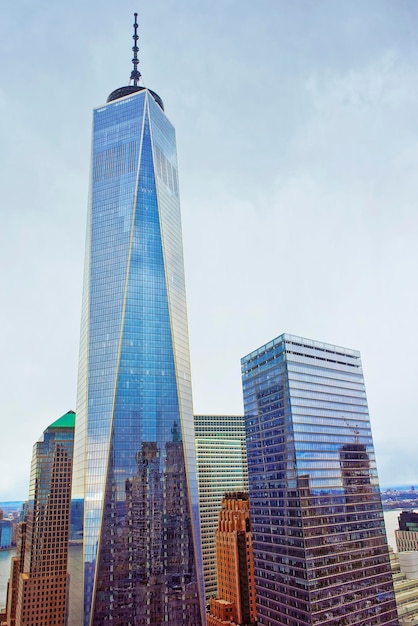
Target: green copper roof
point(65, 421)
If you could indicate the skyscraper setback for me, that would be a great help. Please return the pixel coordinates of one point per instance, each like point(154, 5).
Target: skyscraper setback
point(135, 466)
point(320, 552)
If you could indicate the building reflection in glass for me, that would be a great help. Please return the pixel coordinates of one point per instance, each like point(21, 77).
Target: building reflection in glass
point(320, 551)
point(147, 568)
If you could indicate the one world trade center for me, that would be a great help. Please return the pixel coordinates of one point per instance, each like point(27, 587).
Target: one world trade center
point(135, 540)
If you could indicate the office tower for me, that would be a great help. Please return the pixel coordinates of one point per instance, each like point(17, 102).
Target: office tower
point(6, 531)
point(222, 467)
point(235, 603)
point(407, 535)
point(37, 589)
point(320, 552)
point(135, 464)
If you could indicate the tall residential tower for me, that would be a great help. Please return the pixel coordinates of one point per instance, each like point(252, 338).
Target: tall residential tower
point(320, 551)
point(135, 466)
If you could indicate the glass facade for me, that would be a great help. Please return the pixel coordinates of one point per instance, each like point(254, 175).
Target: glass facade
point(222, 467)
point(134, 466)
point(320, 552)
point(5, 534)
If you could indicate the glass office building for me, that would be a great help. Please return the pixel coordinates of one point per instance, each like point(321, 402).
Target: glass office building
point(222, 467)
point(135, 466)
point(320, 552)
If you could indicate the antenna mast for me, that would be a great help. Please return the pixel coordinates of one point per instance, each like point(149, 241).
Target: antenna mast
point(135, 74)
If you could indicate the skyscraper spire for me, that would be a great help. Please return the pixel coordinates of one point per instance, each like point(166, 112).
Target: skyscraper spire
point(135, 77)
point(135, 74)
point(135, 500)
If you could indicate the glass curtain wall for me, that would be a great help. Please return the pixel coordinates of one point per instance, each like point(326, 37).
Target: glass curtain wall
point(319, 540)
point(135, 468)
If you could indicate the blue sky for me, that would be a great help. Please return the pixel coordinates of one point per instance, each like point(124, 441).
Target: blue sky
point(298, 152)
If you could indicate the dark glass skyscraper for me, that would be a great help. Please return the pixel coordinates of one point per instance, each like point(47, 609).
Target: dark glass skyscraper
point(320, 552)
point(135, 467)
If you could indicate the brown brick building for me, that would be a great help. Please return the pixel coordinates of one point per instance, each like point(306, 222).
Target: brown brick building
point(37, 587)
point(235, 603)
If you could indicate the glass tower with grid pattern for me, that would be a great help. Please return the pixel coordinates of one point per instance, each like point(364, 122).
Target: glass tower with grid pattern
point(135, 465)
point(320, 551)
point(222, 467)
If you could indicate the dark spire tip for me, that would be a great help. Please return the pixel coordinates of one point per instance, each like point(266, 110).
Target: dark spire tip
point(135, 74)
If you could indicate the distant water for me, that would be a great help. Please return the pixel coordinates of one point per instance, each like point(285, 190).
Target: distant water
point(5, 558)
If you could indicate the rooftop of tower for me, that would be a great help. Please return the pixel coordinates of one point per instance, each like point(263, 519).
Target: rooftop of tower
point(135, 77)
point(65, 421)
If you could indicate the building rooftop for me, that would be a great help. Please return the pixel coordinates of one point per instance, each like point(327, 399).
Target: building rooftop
point(65, 421)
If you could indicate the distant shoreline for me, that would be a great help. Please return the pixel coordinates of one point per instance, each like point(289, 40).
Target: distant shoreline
point(403, 497)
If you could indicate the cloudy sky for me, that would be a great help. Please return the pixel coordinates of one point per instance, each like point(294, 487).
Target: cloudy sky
point(297, 142)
